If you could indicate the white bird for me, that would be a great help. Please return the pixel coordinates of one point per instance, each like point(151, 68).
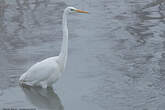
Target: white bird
point(48, 71)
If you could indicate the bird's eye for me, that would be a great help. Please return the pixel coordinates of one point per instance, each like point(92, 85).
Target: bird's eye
point(71, 9)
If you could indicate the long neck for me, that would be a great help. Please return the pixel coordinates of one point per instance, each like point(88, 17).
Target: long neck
point(64, 48)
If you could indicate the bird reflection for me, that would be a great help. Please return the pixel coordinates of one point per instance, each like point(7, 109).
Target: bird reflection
point(45, 99)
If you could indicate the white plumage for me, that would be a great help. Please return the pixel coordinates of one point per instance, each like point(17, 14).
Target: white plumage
point(43, 73)
point(48, 71)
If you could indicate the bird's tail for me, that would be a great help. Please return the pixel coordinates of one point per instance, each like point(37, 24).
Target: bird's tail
point(21, 79)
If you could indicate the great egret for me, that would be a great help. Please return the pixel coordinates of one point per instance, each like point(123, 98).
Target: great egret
point(48, 71)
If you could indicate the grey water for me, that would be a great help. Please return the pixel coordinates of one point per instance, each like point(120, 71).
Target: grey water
point(116, 54)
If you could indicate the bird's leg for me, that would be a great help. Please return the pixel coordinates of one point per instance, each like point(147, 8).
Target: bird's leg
point(44, 85)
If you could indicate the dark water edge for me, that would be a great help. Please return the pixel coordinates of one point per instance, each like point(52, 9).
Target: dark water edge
point(116, 54)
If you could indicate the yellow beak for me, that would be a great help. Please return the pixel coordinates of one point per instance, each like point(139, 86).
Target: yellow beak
point(80, 11)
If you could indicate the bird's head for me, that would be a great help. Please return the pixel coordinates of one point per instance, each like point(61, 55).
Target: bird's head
point(71, 10)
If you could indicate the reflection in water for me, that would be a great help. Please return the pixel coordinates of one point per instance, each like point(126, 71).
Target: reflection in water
point(45, 99)
point(146, 20)
point(23, 27)
point(138, 65)
point(19, 18)
point(2, 14)
point(146, 30)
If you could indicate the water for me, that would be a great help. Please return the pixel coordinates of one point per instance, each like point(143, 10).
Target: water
point(116, 54)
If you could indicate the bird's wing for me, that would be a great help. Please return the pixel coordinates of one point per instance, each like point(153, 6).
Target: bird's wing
point(40, 71)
